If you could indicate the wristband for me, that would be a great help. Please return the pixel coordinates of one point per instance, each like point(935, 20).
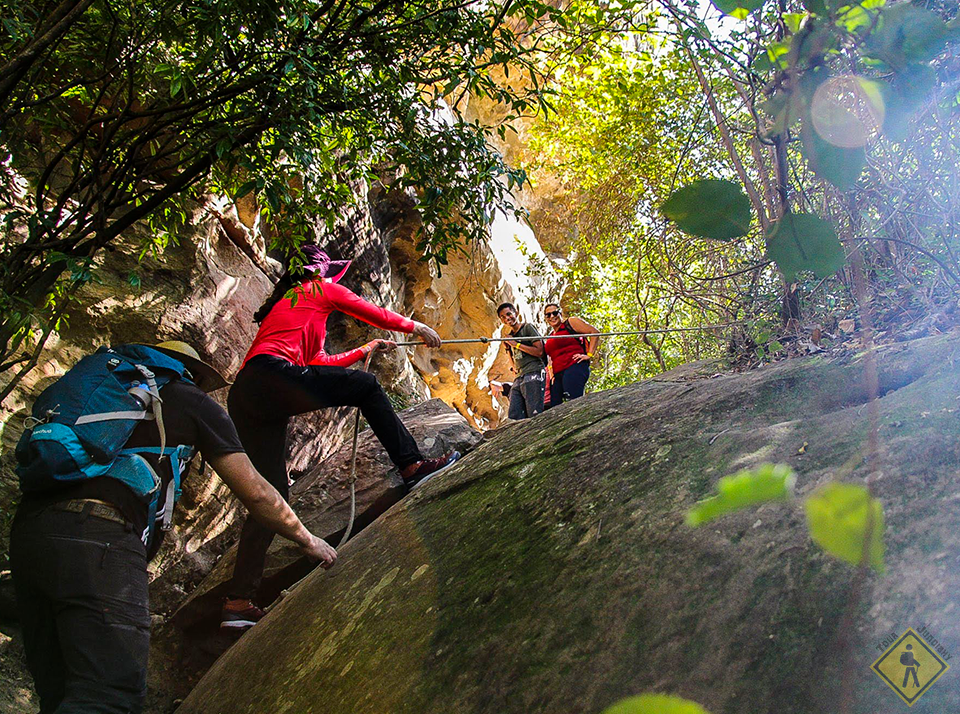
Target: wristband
point(589, 355)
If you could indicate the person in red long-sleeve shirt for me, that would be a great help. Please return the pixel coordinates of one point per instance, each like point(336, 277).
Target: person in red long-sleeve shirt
point(287, 372)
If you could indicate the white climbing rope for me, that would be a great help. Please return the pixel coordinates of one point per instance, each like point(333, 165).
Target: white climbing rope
point(353, 464)
point(577, 335)
point(352, 479)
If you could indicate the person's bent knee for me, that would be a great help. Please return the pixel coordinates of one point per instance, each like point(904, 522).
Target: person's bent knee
point(367, 382)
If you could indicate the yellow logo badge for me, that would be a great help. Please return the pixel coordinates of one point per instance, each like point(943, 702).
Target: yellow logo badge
point(910, 667)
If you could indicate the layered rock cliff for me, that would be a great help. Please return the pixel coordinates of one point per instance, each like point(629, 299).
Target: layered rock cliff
point(205, 288)
point(551, 570)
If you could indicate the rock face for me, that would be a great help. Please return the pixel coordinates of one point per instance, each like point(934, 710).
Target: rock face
point(551, 571)
point(185, 646)
point(322, 500)
point(206, 289)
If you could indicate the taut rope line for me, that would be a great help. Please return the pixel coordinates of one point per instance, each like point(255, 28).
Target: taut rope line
point(577, 335)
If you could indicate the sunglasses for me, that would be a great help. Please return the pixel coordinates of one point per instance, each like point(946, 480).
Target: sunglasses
point(552, 313)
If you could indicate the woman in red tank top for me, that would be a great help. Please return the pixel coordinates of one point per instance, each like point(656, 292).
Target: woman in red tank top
point(569, 356)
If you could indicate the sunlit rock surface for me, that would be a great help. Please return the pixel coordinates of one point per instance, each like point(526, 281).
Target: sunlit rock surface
point(185, 646)
point(551, 571)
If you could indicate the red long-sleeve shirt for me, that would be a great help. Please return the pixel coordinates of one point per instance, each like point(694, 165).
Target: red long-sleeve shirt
point(296, 328)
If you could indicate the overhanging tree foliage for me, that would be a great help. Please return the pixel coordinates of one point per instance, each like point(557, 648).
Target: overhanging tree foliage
point(114, 113)
point(835, 122)
point(835, 90)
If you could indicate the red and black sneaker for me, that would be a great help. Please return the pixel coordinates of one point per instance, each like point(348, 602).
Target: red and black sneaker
point(239, 614)
point(420, 471)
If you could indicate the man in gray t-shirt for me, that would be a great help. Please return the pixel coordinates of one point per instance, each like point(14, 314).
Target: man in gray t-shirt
point(526, 393)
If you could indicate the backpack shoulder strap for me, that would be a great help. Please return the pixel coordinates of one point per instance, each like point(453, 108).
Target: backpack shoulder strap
point(581, 340)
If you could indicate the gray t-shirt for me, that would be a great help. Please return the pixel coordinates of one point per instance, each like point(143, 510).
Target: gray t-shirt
point(526, 363)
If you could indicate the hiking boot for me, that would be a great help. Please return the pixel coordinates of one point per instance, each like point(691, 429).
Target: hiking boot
point(420, 471)
point(239, 614)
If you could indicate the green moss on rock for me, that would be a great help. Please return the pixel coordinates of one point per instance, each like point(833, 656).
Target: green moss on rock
point(550, 571)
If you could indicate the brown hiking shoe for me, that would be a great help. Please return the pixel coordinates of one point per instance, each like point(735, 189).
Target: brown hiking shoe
point(239, 614)
point(419, 471)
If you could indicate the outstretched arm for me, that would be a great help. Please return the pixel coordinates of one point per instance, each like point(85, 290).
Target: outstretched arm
point(527, 343)
point(355, 306)
point(352, 304)
point(585, 328)
point(267, 505)
point(531, 348)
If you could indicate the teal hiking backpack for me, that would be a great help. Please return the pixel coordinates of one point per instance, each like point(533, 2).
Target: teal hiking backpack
point(81, 423)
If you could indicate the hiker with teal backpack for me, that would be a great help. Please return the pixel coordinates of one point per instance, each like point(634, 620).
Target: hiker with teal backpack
point(569, 356)
point(100, 464)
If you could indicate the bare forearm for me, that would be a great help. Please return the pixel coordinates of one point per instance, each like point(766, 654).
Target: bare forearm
point(260, 498)
point(535, 349)
point(275, 513)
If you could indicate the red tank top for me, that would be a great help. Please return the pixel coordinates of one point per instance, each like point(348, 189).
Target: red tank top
point(561, 352)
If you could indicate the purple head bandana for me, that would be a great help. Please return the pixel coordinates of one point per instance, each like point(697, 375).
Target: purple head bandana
point(317, 261)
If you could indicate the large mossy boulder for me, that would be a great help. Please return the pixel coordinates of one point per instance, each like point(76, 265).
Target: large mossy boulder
point(551, 570)
point(184, 646)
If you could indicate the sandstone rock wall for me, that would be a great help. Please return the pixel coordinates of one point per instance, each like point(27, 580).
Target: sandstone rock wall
point(205, 290)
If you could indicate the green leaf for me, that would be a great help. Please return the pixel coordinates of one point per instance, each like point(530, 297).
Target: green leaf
point(655, 704)
point(817, 7)
point(784, 107)
point(737, 8)
point(802, 241)
point(793, 20)
point(840, 515)
point(710, 208)
point(908, 89)
point(856, 18)
point(769, 482)
point(839, 165)
point(245, 188)
point(907, 33)
point(762, 63)
point(778, 52)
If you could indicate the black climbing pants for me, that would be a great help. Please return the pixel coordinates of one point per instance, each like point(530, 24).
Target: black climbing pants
point(569, 383)
point(267, 392)
point(81, 586)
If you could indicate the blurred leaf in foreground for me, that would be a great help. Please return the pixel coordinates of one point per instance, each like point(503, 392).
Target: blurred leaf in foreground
point(711, 208)
point(840, 515)
point(769, 482)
